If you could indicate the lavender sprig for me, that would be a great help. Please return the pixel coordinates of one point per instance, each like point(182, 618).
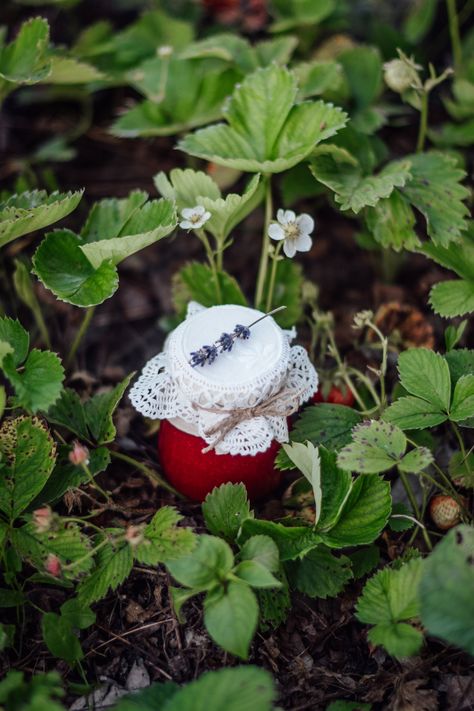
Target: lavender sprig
point(208, 354)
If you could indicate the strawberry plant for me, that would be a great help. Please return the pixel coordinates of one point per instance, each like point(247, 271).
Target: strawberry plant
point(166, 165)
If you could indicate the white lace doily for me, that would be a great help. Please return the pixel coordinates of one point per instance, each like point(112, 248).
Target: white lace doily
point(257, 368)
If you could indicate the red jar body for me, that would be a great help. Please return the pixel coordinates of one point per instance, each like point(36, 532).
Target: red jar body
point(195, 474)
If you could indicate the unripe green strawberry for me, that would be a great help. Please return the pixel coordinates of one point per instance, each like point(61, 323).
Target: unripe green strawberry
point(445, 512)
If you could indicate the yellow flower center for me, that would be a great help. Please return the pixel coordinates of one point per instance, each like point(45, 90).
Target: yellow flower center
point(291, 230)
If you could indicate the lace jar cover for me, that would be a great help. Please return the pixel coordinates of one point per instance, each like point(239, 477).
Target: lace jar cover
point(197, 399)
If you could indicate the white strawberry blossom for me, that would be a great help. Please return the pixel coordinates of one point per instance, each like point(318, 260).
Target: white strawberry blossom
point(194, 217)
point(295, 231)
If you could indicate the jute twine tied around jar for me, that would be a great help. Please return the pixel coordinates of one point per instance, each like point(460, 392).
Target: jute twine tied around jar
point(283, 403)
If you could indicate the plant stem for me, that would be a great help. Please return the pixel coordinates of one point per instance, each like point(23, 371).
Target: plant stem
point(148, 471)
point(90, 554)
point(263, 267)
point(93, 483)
point(420, 144)
point(82, 330)
point(370, 387)
point(41, 324)
point(212, 263)
point(416, 509)
point(271, 286)
point(454, 34)
point(465, 455)
point(220, 252)
point(84, 522)
point(383, 365)
point(459, 438)
point(344, 371)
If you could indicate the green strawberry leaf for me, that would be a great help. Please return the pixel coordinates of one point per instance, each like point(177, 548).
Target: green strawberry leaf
point(163, 539)
point(180, 95)
point(224, 510)
point(453, 298)
point(292, 541)
point(64, 269)
point(326, 424)
point(262, 550)
point(113, 564)
point(413, 413)
point(25, 60)
point(389, 599)
point(435, 190)
point(90, 420)
point(446, 600)
point(256, 575)
point(31, 211)
point(66, 476)
point(306, 458)
point(39, 383)
point(79, 616)
point(145, 226)
point(364, 515)
point(231, 617)
point(320, 573)
point(190, 187)
point(462, 407)
point(267, 132)
point(354, 190)
point(391, 223)
point(81, 269)
point(376, 446)
point(244, 688)
point(60, 639)
point(98, 412)
point(13, 334)
point(363, 68)
point(29, 454)
point(209, 562)
point(68, 70)
point(435, 385)
point(416, 460)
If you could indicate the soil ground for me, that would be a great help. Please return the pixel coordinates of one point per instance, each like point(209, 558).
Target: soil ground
point(321, 653)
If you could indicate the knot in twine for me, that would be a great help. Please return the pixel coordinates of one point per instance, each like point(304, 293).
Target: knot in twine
point(283, 403)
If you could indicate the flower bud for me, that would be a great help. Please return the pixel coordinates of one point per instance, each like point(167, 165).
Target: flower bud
point(401, 74)
point(79, 454)
point(53, 565)
point(42, 519)
point(134, 535)
point(363, 318)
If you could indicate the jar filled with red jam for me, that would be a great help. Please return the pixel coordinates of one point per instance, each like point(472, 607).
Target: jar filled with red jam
point(224, 392)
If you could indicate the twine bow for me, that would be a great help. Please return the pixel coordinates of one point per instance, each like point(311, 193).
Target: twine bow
point(282, 404)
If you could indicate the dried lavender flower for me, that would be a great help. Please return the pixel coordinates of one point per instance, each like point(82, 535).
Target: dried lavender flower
point(226, 341)
point(208, 354)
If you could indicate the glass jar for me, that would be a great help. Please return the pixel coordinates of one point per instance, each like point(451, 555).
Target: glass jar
point(223, 421)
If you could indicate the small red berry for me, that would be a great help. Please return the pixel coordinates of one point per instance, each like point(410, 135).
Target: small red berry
point(445, 512)
point(336, 396)
point(341, 396)
point(53, 565)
